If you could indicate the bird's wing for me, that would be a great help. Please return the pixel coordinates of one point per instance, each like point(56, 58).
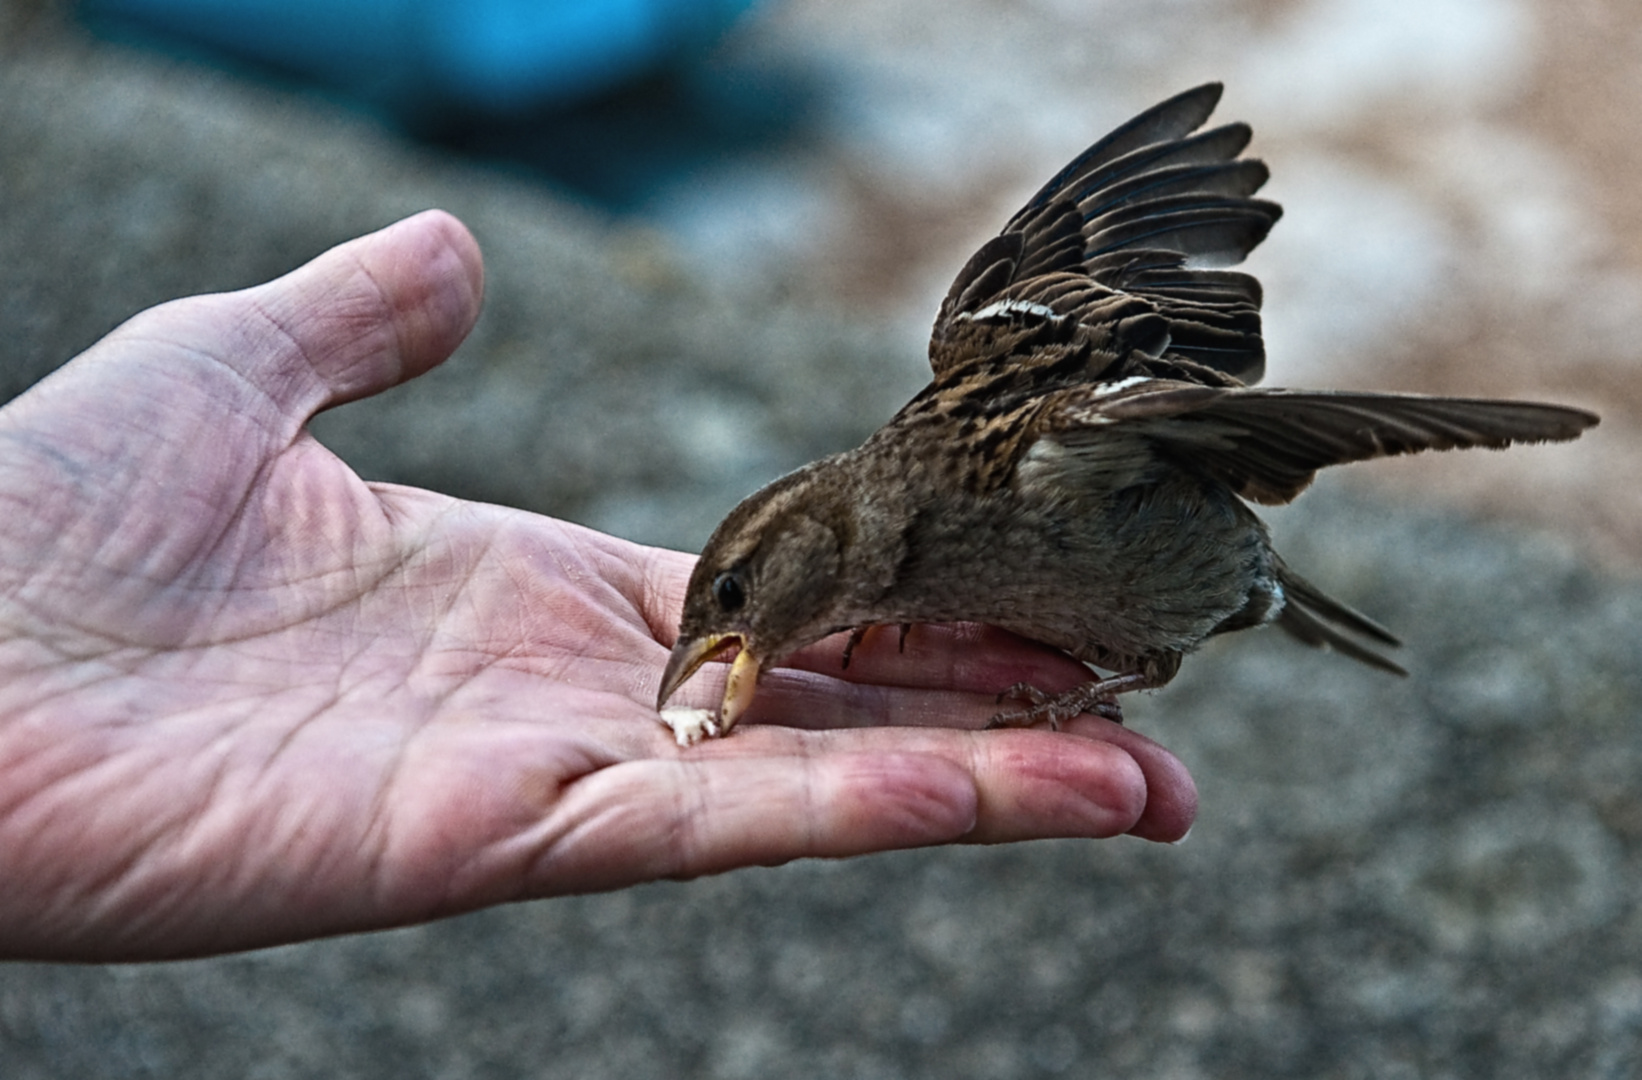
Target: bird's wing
point(1121, 248)
point(1267, 444)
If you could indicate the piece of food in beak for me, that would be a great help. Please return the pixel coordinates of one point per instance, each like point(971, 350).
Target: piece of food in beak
point(689, 726)
point(739, 687)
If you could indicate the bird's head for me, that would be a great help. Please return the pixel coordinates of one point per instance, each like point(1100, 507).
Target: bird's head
point(769, 581)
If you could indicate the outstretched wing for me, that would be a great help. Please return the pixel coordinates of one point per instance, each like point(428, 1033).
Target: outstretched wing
point(1267, 444)
point(1118, 256)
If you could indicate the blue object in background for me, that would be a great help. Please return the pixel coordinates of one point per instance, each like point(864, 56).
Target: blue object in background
point(417, 56)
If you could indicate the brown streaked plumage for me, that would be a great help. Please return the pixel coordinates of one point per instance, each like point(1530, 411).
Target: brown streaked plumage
point(1079, 470)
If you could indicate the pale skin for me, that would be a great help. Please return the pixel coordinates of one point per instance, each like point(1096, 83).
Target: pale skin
point(247, 698)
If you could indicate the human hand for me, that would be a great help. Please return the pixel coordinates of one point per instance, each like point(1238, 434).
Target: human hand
point(248, 698)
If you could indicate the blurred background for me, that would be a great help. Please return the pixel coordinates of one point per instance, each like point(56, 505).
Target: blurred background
point(716, 234)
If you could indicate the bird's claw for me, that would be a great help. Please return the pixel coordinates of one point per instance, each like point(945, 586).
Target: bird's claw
point(1099, 697)
point(849, 646)
point(859, 634)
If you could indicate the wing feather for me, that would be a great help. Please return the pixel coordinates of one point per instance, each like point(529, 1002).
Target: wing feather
point(1167, 121)
point(1140, 223)
point(1267, 445)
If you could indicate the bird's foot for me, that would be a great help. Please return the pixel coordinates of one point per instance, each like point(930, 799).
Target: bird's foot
point(1098, 697)
point(860, 633)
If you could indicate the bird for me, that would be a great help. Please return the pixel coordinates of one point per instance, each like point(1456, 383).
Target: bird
point(1080, 469)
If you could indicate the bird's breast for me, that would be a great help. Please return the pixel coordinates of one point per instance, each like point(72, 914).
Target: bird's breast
point(1132, 568)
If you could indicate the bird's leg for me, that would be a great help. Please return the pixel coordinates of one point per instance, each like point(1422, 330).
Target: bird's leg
point(1098, 697)
point(860, 633)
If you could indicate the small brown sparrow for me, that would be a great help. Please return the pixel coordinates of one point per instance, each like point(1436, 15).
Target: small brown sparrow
point(1078, 472)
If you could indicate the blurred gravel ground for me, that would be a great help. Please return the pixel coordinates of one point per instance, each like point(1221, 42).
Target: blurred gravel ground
point(1423, 877)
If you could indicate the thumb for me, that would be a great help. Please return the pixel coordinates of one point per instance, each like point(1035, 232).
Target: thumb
point(365, 315)
point(362, 317)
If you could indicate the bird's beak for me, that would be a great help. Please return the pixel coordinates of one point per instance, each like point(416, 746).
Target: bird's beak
point(686, 660)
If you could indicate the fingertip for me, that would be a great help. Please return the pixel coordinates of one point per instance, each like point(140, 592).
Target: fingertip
point(1171, 801)
point(365, 315)
point(1170, 793)
point(429, 277)
point(1042, 784)
point(435, 281)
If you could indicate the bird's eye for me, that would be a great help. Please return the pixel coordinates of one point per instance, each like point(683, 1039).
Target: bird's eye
point(728, 591)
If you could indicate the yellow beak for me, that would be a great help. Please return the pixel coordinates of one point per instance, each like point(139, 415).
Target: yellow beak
point(687, 659)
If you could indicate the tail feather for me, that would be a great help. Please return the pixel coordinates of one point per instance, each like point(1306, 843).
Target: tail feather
point(1319, 620)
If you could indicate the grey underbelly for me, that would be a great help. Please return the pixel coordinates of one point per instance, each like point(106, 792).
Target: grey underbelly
point(1144, 570)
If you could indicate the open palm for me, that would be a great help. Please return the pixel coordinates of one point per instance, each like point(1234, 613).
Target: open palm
point(246, 697)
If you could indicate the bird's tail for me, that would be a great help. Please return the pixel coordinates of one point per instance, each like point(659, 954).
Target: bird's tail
point(1323, 622)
